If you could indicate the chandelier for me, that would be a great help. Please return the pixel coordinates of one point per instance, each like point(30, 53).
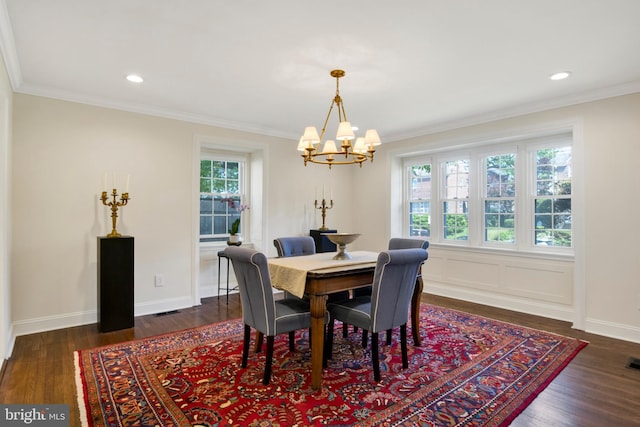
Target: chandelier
point(348, 154)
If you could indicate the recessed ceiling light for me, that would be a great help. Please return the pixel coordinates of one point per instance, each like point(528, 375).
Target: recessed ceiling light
point(134, 78)
point(560, 76)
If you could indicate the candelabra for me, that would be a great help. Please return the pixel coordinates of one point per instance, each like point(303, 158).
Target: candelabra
point(114, 205)
point(323, 207)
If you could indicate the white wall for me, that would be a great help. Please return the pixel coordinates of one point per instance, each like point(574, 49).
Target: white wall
point(61, 150)
point(6, 96)
point(608, 249)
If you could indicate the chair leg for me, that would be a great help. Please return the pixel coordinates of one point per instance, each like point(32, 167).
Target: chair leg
point(345, 330)
point(259, 341)
point(375, 359)
point(389, 331)
point(245, 346)
point(403, 344)
point(365, 338)
point(328, 345)
point(292, 339)
point(268, 361)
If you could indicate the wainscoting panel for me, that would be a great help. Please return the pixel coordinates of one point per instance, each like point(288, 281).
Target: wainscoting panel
point(545, 279)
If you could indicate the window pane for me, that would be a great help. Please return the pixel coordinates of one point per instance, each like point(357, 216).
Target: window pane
point(205, 168)
point(205, 224)
point(420, 224)
point(501, 175)
point(206, 204)
point(220, 185)
point(456, 222)
point(553, 212)
point(220, 225)
point(457, 179)
point(205, 185)
point(421, 182)
point(553, 171)
point(499, 221)
point(232, 170)
point(218, 169)
point(233, 187)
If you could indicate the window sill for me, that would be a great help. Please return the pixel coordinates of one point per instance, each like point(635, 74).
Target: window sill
point(562, 255)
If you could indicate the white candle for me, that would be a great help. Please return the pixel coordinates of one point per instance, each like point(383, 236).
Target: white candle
point(331, 194)
point(128, 176)
point(104, 182)
point(316, 194)
point(323, 192)
point(113, 182)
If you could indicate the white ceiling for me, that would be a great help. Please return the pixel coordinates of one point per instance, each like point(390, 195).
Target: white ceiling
point(412, 67)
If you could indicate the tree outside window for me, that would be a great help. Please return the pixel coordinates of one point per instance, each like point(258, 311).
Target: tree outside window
point(553, 197)
point(420, 200)
point(500, 198)
point(456, 200)
point(220, 195)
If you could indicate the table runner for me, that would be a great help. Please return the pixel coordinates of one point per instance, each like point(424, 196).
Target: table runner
point(290, 273)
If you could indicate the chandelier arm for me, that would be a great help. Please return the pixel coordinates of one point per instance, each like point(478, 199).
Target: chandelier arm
point(342, 115)
point(324, 127)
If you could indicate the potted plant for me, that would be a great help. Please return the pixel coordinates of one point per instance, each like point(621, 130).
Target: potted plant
point(235, 225)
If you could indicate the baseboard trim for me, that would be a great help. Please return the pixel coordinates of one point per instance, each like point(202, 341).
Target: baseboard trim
point(613, 330)
point(162, 306)
point(507, 302)
point(70, 320)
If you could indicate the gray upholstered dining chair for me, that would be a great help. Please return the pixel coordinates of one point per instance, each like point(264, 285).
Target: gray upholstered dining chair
point(295, 246)
point(299, 246)
point(394, 243)
point(388, 305)
point(259, 308)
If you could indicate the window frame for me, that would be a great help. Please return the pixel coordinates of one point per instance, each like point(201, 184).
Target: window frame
point(213, 155)
point(524, 149)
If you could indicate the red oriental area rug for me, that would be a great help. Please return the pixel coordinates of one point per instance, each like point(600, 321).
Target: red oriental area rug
point(469, 371)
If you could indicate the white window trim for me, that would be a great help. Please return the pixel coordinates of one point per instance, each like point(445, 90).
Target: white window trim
point(524, 148)
point(242, 159)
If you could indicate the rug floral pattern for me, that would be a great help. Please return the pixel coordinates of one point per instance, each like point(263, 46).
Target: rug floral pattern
point(469, 371)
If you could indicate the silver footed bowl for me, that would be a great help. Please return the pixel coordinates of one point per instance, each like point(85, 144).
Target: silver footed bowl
point(342, 240)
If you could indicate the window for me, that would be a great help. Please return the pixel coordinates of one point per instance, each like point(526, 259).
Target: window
point(500, 198)
point(420, 200)
point(221, 184)
point(455, 197)
point(511, 195)
point(553, 197)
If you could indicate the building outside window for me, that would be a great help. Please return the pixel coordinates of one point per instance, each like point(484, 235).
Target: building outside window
point(553, 197)
point(420, 200)
point(455, 196)
point(511, 195)
point(500, 198)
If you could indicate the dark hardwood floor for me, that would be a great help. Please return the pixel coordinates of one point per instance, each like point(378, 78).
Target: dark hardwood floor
point(597, 389)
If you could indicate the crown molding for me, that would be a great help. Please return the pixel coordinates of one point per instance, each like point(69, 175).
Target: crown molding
point(501, 114)
point(521, 110)
point(8, 47)
point(149, 110)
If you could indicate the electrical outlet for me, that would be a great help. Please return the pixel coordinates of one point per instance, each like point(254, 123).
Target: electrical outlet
point(159, 280)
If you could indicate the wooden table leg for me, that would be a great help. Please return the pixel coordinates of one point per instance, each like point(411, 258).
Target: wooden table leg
point(318, 309)
point(415, 311)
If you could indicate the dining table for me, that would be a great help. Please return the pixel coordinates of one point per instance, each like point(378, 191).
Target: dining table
point(319, 275)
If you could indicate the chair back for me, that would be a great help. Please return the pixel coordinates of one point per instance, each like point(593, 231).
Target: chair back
point(402, 243)
point(295, 246)
point(393, 282)
point(254, 284)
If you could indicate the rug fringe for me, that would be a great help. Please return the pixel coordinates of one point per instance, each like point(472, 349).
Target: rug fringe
point(82, 407)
